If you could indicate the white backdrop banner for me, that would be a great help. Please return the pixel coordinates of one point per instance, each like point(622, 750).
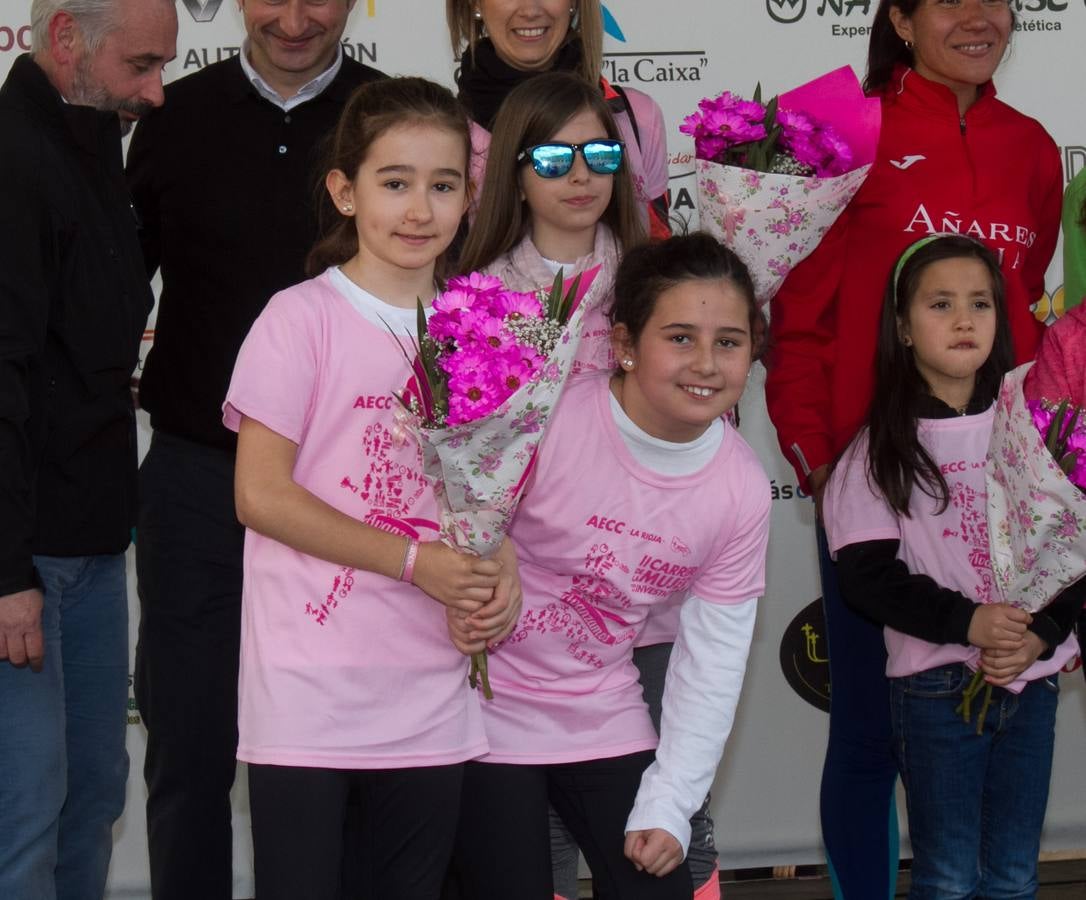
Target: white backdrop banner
point(765, 799)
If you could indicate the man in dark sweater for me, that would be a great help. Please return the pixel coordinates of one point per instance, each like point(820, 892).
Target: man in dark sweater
point(226, 183)
point(73, 302)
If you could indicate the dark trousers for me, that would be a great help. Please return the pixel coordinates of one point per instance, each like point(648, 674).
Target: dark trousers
point(405, 839)
point(857, 805)
point(189, 564)
point(503, 841)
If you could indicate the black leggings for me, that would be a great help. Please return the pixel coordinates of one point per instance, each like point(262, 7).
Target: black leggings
point(405, 841)
point(503, 841)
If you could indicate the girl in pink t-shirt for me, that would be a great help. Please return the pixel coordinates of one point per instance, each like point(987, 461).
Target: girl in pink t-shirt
point(348, 681)
point(533, 221)
point(641, 494)
point(905, 514)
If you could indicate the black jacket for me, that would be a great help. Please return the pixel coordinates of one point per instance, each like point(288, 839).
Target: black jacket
point(226, 185)
point(74, 298)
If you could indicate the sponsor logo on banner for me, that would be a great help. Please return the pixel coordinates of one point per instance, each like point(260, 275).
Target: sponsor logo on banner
point(14, 38)
point(786, 491)
point(204, 11)
point(611, 26)
point(805, 656)
point(649, 67)
point(198, 57)
point(1074, 159)
point(1037, 15)
point(845, 16)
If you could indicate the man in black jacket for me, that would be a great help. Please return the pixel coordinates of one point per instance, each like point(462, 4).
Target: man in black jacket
point(73, 301)
point(225, 179)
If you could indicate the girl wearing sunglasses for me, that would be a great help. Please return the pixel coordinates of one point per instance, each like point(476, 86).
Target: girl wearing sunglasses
point(500, 44)
point(557, 195)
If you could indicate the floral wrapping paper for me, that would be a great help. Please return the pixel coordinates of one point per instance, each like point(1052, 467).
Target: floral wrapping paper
point(772, 222)
point(479, 468)
point(1036, 516)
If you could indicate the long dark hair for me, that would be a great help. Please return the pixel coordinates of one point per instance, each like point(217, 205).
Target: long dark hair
point(531, 114)
point(896, 459)
point(373, 109)
point(885, 50)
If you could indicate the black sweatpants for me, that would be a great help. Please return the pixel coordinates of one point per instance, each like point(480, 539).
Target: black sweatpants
point(405, 838)
point(503, 841)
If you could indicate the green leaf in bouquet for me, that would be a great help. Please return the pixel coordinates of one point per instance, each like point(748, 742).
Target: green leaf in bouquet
point(559, 305)
point(554, 298)
point(568, 300)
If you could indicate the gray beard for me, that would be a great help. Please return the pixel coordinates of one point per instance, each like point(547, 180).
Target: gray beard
point(85, 92)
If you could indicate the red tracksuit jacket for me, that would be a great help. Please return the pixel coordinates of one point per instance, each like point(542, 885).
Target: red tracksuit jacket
point(993, 173)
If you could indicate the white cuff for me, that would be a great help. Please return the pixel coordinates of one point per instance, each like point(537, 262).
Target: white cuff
point(701, 692)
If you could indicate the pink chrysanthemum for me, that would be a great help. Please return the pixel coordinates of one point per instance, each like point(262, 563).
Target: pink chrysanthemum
point(517, 304)
point(475, 283)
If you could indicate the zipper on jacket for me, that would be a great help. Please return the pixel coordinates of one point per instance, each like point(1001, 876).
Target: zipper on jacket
point(961, 123)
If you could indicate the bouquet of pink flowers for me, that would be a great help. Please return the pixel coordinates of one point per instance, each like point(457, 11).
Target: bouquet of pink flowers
point(1037, 471)
point(488, 367)
point(773, 178)
point(736, 132)
point(1036, 506)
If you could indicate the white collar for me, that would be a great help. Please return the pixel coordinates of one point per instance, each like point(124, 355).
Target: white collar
point(307, 92)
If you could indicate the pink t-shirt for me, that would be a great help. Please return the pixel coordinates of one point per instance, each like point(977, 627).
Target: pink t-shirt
point(601, 540)
point(951, 547)
point(342, 668)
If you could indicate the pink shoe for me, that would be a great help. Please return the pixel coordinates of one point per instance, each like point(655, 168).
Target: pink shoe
point(710, 890)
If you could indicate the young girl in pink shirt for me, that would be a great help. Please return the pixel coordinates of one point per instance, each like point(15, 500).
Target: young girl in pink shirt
point(547, 206)
point(905, 513)
point(642, 495)
point(348, 679)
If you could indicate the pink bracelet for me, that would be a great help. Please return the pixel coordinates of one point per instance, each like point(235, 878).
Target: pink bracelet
point(409, 558)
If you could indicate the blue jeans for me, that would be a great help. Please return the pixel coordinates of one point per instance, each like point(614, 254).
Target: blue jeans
point(63, 763)
point(976, 802)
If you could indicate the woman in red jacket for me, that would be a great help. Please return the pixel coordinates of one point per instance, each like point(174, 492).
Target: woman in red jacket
point(952, 158)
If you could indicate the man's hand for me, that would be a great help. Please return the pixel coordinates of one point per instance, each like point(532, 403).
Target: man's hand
point(21, 640)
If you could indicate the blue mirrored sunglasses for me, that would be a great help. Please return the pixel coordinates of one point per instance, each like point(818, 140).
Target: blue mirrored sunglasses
point(555, 159)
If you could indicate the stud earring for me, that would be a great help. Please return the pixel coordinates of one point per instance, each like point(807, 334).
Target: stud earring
point(477, 15)
point(908, 45)
point(627, 363)
point(348, 207)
